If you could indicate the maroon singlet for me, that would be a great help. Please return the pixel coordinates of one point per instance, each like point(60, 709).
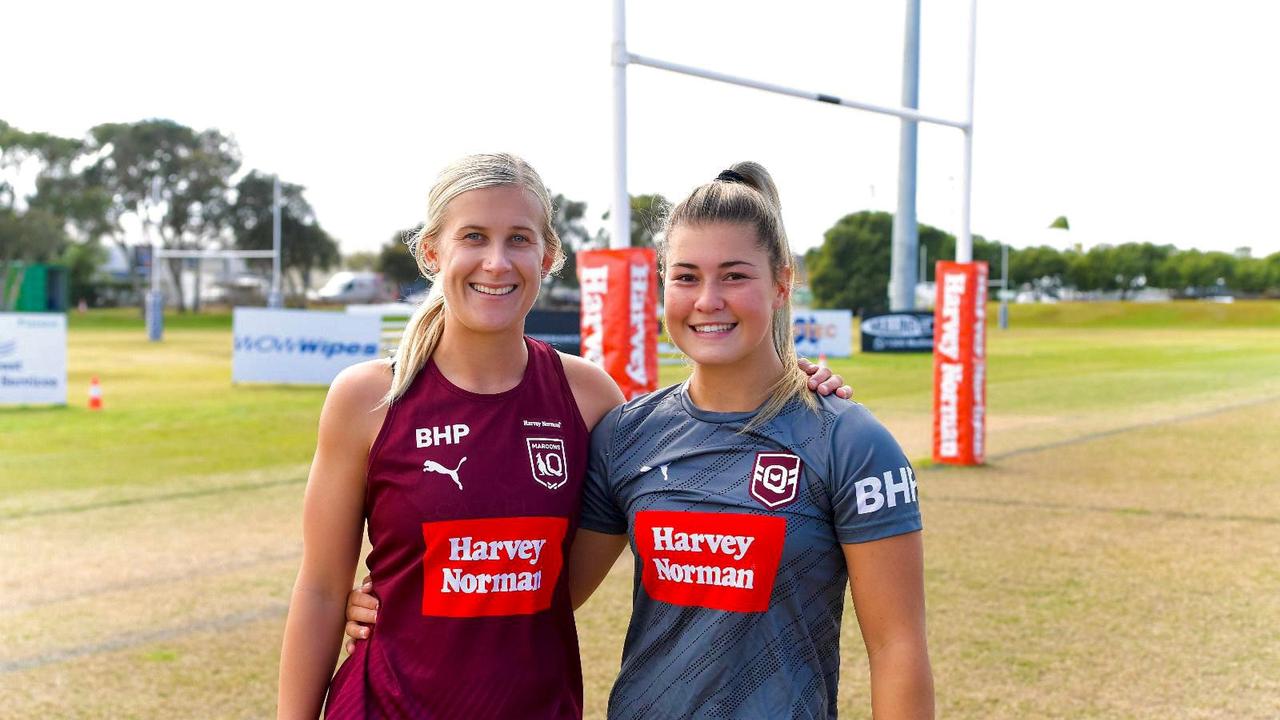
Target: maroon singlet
point(472, 501)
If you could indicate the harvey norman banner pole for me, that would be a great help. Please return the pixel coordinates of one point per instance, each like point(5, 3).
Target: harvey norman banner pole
point(902, 273)
point(621, 235)
point(964, 243)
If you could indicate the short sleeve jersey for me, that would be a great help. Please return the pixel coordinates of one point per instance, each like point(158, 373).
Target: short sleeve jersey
point(740, 577)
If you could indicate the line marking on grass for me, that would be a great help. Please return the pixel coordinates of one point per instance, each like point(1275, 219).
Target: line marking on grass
point(164, 497)
point(151, 580)
point(1138, 512)
point(927, 460)
point(1090, 437)
point(1121, 510)
point(131, 640)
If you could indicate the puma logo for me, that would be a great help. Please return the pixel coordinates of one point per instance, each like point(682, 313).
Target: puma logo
point(663, 468)
point(435, 467)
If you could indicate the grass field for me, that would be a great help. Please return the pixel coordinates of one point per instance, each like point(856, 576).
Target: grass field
point(1115, 559)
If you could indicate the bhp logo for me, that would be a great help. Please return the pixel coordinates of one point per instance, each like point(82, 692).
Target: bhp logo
point(713, 560)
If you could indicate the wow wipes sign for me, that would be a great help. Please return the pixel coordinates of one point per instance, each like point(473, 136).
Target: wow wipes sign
point(299, 346)
point(33, 359)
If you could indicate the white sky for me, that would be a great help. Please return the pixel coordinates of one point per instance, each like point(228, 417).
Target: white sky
point(1139, 121)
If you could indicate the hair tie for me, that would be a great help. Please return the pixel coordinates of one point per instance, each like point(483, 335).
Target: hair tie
point(732, 176)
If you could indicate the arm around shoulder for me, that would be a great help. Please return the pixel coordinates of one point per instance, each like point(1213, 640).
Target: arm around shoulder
point(595, 392)
point(332, 526)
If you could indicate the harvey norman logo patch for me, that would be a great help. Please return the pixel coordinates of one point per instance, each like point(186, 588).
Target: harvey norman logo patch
point(491, 566)
point(723, 561)
point(775, 478)
point(547, 461)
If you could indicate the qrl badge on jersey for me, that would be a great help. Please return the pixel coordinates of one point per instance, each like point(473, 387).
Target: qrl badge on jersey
point(547, 461)
point(775, 478)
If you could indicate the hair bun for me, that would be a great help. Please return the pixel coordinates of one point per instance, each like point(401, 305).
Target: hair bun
point(732, 176)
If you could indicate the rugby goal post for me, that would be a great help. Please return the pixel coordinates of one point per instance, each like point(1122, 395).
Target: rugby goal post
point(155, 296)
point(954, 421)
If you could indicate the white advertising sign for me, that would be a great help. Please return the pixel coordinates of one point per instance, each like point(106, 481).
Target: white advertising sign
point(824, 332)
point(301, 347)
point(33, 359)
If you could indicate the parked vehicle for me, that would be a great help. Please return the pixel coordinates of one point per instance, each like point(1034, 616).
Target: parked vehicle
point(354, 287)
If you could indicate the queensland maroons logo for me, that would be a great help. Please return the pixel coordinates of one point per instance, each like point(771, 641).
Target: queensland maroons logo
point(547, 461)
point(775, 478)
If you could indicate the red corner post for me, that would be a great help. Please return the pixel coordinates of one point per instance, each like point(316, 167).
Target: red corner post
point(960, 364)
point(620, 315)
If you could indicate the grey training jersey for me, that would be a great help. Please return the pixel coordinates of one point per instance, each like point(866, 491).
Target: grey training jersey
point(740, 578)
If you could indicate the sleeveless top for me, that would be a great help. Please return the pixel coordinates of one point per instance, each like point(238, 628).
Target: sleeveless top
point(472, 502)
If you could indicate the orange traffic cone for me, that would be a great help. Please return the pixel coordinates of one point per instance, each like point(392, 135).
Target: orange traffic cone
point(95, 395)
point(822, 359)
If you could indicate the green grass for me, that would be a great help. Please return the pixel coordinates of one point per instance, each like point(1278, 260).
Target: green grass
point(151, 546)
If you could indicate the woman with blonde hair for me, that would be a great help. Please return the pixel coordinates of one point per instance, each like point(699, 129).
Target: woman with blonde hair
point(466, 455)
point(749, 504)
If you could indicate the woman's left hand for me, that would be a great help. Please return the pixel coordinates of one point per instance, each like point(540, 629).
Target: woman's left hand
point(825, 382)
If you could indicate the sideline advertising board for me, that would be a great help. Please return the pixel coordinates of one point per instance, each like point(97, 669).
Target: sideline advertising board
point(33, 359)
point(960, 364)
point(620, 315)
point(823, 332)
point(560, 329)
point(300, 347)
point(897, 332)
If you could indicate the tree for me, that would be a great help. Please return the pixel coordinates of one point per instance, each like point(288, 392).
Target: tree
point(82, 261)
point(574, 236)
point(1036, 266)
point(851, 267)
point(647, 212)
point(363, 260)
point(1251, 276)
point(396, 263)
point(304, 245)
point(34, 236)
point(174, 180)
point(31, 230)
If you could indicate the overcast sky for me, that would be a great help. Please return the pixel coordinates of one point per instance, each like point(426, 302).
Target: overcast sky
point(1139, 121)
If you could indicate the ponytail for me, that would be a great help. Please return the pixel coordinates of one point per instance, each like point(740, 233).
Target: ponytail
point(419, 339)
point(746, 194)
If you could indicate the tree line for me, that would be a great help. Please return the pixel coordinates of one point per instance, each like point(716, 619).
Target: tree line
point(64, 199)
point(851, 267)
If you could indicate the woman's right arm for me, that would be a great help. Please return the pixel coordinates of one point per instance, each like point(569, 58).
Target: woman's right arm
point(332, 525)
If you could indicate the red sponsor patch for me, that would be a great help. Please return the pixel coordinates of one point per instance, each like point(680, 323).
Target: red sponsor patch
point(492, 566)
point(722, 561)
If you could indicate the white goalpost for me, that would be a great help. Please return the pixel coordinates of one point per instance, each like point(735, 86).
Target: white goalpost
point(155, 296)
point(959, 338)
point(621, 236)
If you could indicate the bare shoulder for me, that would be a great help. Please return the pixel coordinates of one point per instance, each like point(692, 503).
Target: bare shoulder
point(595, 392)
point(355, 400)
point(361, 385)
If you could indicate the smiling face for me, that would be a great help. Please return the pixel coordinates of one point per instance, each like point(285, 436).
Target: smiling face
point(490, 257)
point(720, 295)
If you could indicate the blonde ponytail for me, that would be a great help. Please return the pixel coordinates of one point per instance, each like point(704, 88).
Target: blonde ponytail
point(422, 334)
point(419, 339)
